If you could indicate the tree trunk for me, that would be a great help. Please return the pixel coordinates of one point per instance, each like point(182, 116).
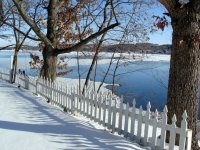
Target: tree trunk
point(15, 60)
point(184, 68)
point(48, 70)
point(91, 68)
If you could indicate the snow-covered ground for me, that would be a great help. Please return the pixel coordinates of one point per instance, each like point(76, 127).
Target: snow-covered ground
point(27, 122)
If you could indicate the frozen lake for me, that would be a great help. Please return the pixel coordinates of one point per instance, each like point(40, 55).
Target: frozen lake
point(143, 80)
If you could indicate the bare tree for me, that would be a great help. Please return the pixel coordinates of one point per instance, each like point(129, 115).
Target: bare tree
point(73, 15)
point(15, 25)
point(132, 29)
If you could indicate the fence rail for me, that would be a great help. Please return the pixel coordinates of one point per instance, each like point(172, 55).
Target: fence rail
point(133, 123)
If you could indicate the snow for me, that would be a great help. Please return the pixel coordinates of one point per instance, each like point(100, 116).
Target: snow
point(85, 58)
point(28, 122)
point(105, 57)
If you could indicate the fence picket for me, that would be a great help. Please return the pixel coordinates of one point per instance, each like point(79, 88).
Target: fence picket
point(120, 117)
point(104, 112)
point(147, 117)
point(183, 132)
point(80, 100)
point(133, 118)
point(84, 112)
point(91, 105)
point(126, 120)
point(87, 104)
point(114, 116)
point(54, 92)
point(139, 129)
point(109, 111)
point(172, 133)
point(77, 97)
point(155, 123)
point(72, 100)
point(68, 98)
point(100, 107)
point(95, 106)
point(163, 128)
point(189, 140)
point(62, 100)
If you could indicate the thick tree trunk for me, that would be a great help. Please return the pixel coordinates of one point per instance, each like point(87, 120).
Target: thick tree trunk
point(48, 70)
point(184, 68)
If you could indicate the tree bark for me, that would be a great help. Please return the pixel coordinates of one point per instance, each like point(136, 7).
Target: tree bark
point(48, 70)
point(184, 67)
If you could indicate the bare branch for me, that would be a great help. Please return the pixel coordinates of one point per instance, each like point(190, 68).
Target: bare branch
point(85, 41)
point(18, 30)
point(2, 48)
point(31, 23)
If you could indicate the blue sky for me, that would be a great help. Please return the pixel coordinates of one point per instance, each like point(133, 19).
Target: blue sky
point(161, 37)
point(158, 37)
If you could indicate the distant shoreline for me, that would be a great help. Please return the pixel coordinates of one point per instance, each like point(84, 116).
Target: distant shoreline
point(146, 48)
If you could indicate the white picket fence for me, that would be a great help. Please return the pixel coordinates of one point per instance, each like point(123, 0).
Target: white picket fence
point(5, 75)
point(148, 128)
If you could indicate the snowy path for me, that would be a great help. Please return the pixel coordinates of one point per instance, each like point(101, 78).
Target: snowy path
point(28, 123)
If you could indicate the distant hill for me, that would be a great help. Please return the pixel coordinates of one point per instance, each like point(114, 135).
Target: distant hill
point(148, 48)
point(138, 48)
point(25, 47)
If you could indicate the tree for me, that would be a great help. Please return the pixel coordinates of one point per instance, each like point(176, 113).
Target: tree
point(19, 41)
point(185, 61)
point(132, 29)
point(15, 24)
point(68, 17)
